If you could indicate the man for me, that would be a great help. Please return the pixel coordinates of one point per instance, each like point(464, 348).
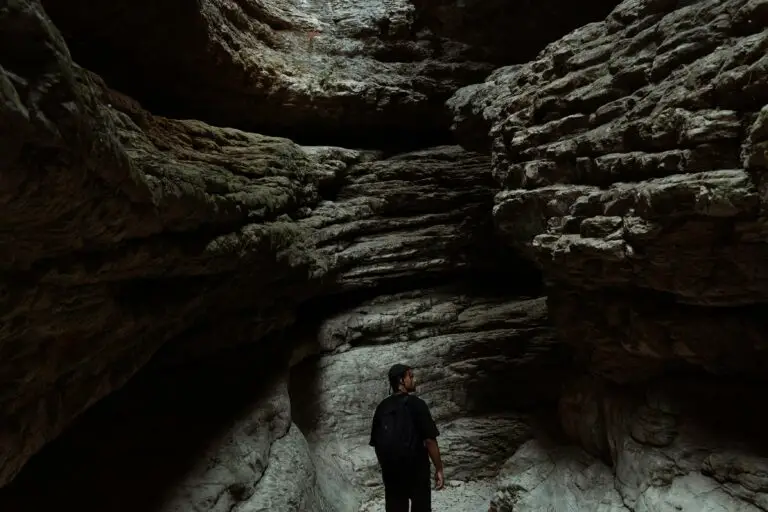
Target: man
point(404, 436)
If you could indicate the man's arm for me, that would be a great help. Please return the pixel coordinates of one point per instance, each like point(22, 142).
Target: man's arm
point(429, 433)
point(434, 453)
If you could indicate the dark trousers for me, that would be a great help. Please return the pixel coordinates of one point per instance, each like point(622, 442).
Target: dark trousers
point(418, 492)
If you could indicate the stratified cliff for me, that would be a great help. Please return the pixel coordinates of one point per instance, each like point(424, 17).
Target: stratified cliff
point(195, 316)
point(129, 237)
point(631, 156)
point(160, 233)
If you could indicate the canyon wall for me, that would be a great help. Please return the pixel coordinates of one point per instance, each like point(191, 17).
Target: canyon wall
point(487, 363)
point(340, 72)
point(237, 297)
point(631, 156)
point(130, 237)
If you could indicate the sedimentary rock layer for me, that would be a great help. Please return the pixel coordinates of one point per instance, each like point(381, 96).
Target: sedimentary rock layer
point(124, 233)
point(485, 363)
point(631, 157)
point(631, 154)
point(337, 71)
point(222, 434)
point(678, 444)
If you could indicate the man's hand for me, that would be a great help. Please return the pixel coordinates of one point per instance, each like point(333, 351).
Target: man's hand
point(439, 479)
point(434, 454)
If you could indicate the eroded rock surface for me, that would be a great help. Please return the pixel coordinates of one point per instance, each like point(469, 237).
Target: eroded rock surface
point(630, 157)
point(485, 364)
point(685, 444)
point(555, 477)
point(631, 154)
point(214, 436)
point(125, 233)
point(85, 193)
point(668, 443)
point(370, 71)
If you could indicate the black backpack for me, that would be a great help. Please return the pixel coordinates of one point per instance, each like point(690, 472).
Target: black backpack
point(395, 436)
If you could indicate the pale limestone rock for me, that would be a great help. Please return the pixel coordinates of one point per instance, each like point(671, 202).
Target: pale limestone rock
point(668, 445)
point(630, 155)
point(215, 436)
point(477, 359)
point(556, 479)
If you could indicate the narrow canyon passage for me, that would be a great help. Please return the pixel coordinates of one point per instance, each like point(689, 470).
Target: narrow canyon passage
point(225, 432)
point(222, 221)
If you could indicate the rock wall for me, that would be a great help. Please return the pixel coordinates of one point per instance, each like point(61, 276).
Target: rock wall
point(130, 237)
point(214, 435)
point(125, 232)
point(487, 365)
point(252, 290)
point(677, 443)
point(631, 156)
point(341, 72)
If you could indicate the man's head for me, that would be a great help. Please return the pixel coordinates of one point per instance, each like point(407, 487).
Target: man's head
point(401, 379)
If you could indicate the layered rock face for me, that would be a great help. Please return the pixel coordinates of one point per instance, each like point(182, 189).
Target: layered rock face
point(131, 237)
point(226, 233)
point(631, 154)
point(367, 72)
point(477, 355)
point(252, 290)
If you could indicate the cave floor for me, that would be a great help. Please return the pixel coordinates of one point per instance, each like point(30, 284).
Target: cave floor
point(457, 496)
